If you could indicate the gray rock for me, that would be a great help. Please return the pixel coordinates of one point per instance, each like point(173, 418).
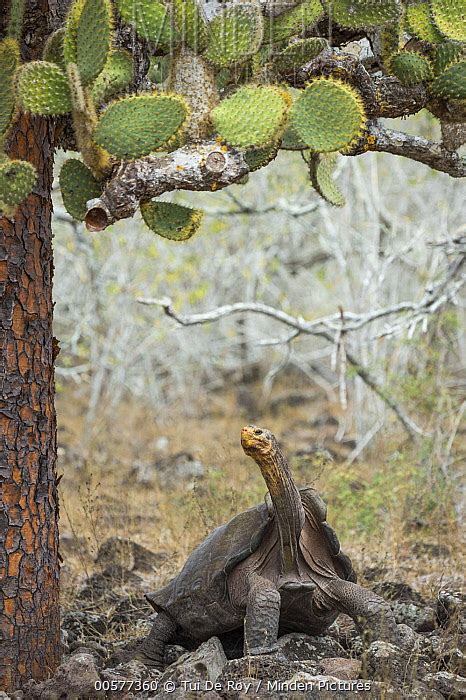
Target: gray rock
point(179, 467)
point(266, 667)
point(74, 679)
point(386, 662)
point(421, 619)
point(206, 663)
point(345, 669)
point(131, 671)
point(82, 625)
point(449, 685)
point(448, 653)
point(128, 554)
point(302, 647)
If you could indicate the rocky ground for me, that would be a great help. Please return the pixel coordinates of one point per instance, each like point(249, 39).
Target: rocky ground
point(430, 662)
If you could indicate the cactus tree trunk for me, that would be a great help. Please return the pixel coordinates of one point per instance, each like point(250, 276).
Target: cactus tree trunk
point(29, 567)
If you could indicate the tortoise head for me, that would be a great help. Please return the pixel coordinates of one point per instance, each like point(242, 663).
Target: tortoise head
point(258, 442)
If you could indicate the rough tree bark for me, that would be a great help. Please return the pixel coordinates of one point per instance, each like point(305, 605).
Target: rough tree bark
point(29, 565)
point(29, 612)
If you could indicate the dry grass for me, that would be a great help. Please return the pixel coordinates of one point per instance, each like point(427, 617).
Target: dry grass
point(381, 507)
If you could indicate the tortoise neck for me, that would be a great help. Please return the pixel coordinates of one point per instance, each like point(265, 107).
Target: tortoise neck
point(288, 508)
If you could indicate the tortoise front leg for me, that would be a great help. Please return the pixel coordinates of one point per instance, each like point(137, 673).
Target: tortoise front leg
point(151, 651)
point(262, 617)
point(371, 613)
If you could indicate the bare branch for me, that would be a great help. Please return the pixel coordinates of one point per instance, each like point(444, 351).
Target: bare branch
point(202, 167)
point(417, 148)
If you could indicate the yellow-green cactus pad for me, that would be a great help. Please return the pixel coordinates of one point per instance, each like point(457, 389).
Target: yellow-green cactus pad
point(77, 185)
point(328, 116)
point(295, 22)
point(9, 59)
point(298, 53)
point(115, 77)
point(43, 89)
point(364, 13)
point(252, 116)
point(452, 83)
point(420, 24)
point(257, 158)
point(53, 49)
point(321, 169)
point(93, 38)
point(450, 18)
point(70, 50)
point(234, 35)
point(17, 178)
point(159, 69)
point(134, 126)
point(291, 140)
point(150, 19)
point(171, 221)
point(411, 67)
point(444, 55)
point(191, 24)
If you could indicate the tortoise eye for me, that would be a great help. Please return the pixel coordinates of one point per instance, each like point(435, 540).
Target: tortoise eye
point(258, 432)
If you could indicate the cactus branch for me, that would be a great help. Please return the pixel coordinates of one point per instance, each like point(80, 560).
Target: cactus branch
point(200, 167)
point(417, 148)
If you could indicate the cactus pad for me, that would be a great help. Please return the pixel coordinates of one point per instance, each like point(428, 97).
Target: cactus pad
point(365, 13)
point(15, 20)
point(93, 38)
point(53, 49)
point(135, 126)
point(191, 24)
point(171, 221)
point(257, 158)
point(43, 89)
point(420, 23)
point(411, 67)
point(70, 50)
point(253, 116)
point(328, 116)
point(77, 186)
point(115, 77)
point(9, 59)
point(234, 35)
point(17, 178)
point(321, 169)
point(452, 83)
point(298, 53)
point(450, 18)
point(295, 21)
point(151, 20)
point(446, 54)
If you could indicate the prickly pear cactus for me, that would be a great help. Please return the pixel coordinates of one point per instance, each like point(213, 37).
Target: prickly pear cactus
point(235, 35)
point(250, 76)
point(78, 185)
point(253, 116)
point(321, 170)
point(135, 126)
point(411, 67)
point(172, 221)
point(17, 178)
point(328, 116)
point(43, 89)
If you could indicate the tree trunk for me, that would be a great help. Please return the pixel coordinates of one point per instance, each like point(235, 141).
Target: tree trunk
point(29, 566)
